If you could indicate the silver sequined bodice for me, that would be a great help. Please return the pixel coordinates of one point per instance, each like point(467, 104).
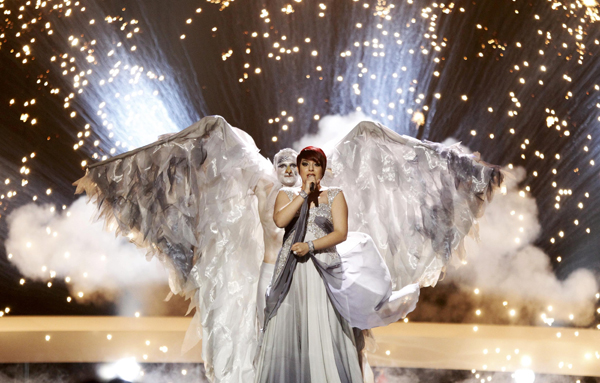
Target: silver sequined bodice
point(313, 231)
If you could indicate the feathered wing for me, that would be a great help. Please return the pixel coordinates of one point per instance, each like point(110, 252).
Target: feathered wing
point(188, 199)
point(417, 200)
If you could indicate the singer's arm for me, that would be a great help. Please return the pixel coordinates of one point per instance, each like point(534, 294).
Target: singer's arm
point(285, 210)
point(339, 214)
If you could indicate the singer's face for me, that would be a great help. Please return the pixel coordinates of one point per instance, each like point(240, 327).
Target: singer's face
point(310, 170)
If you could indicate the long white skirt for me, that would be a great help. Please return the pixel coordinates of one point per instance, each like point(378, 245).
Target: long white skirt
point(308, 340)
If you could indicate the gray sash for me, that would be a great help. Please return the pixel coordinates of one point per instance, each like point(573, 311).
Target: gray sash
point(281, 286)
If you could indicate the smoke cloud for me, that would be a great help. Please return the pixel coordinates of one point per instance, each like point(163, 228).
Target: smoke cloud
point(47, 244)
point(507, 265)
point(331, 130)
point(122, 371)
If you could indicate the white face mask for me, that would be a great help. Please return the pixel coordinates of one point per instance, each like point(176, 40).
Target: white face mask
point(287, 171)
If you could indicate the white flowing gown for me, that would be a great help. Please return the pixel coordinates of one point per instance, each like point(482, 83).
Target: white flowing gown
point(311, 336)
point(308, 340)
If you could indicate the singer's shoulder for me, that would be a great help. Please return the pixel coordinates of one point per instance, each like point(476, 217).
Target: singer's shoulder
point(291, 191)
point(332, 192)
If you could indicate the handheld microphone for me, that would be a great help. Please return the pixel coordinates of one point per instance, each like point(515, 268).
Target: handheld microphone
point(312, 187)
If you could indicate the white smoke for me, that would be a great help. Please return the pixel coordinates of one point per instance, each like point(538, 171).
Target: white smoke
point(124, 370)
point(331, 130)
point(67, 244)
point(506, 264)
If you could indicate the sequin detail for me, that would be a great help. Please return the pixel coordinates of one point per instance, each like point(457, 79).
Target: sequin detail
point(290, 191)
point(283, 256)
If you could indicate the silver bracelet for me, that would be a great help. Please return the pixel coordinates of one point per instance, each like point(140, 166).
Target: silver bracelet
point(303, 194)
point(311, 246)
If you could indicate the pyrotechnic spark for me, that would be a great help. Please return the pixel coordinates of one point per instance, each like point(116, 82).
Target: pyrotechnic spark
point(403, 63)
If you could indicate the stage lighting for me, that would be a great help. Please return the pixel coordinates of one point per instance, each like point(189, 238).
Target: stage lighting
point(524, 375)
point(127, 369)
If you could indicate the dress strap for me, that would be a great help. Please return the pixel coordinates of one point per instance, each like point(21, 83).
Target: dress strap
point(290, 192)
point(331, 193)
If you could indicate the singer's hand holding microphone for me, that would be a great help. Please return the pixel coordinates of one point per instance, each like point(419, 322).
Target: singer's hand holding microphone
point(311, 184)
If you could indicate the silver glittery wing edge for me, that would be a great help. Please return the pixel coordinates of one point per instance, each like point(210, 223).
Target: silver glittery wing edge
point(156, 194)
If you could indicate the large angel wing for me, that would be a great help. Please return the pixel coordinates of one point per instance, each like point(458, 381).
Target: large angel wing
point(188, 200)
point(417, 200)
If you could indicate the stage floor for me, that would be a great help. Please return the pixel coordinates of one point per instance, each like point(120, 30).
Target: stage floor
point(76, 339)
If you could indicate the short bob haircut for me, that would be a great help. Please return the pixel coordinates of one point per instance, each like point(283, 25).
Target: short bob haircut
point(312, 153)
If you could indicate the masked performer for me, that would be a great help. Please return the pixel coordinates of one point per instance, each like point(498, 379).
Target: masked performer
point(192, 200)
point(287, 175)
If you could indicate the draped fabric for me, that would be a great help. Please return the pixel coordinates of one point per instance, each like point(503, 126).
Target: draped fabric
point(279, 288)
point(358, 285)
point(417, 200)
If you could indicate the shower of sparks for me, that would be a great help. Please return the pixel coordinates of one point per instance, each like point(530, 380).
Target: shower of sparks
point(523, 87)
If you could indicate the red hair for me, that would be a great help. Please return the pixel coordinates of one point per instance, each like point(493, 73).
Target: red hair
point(312, 153)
